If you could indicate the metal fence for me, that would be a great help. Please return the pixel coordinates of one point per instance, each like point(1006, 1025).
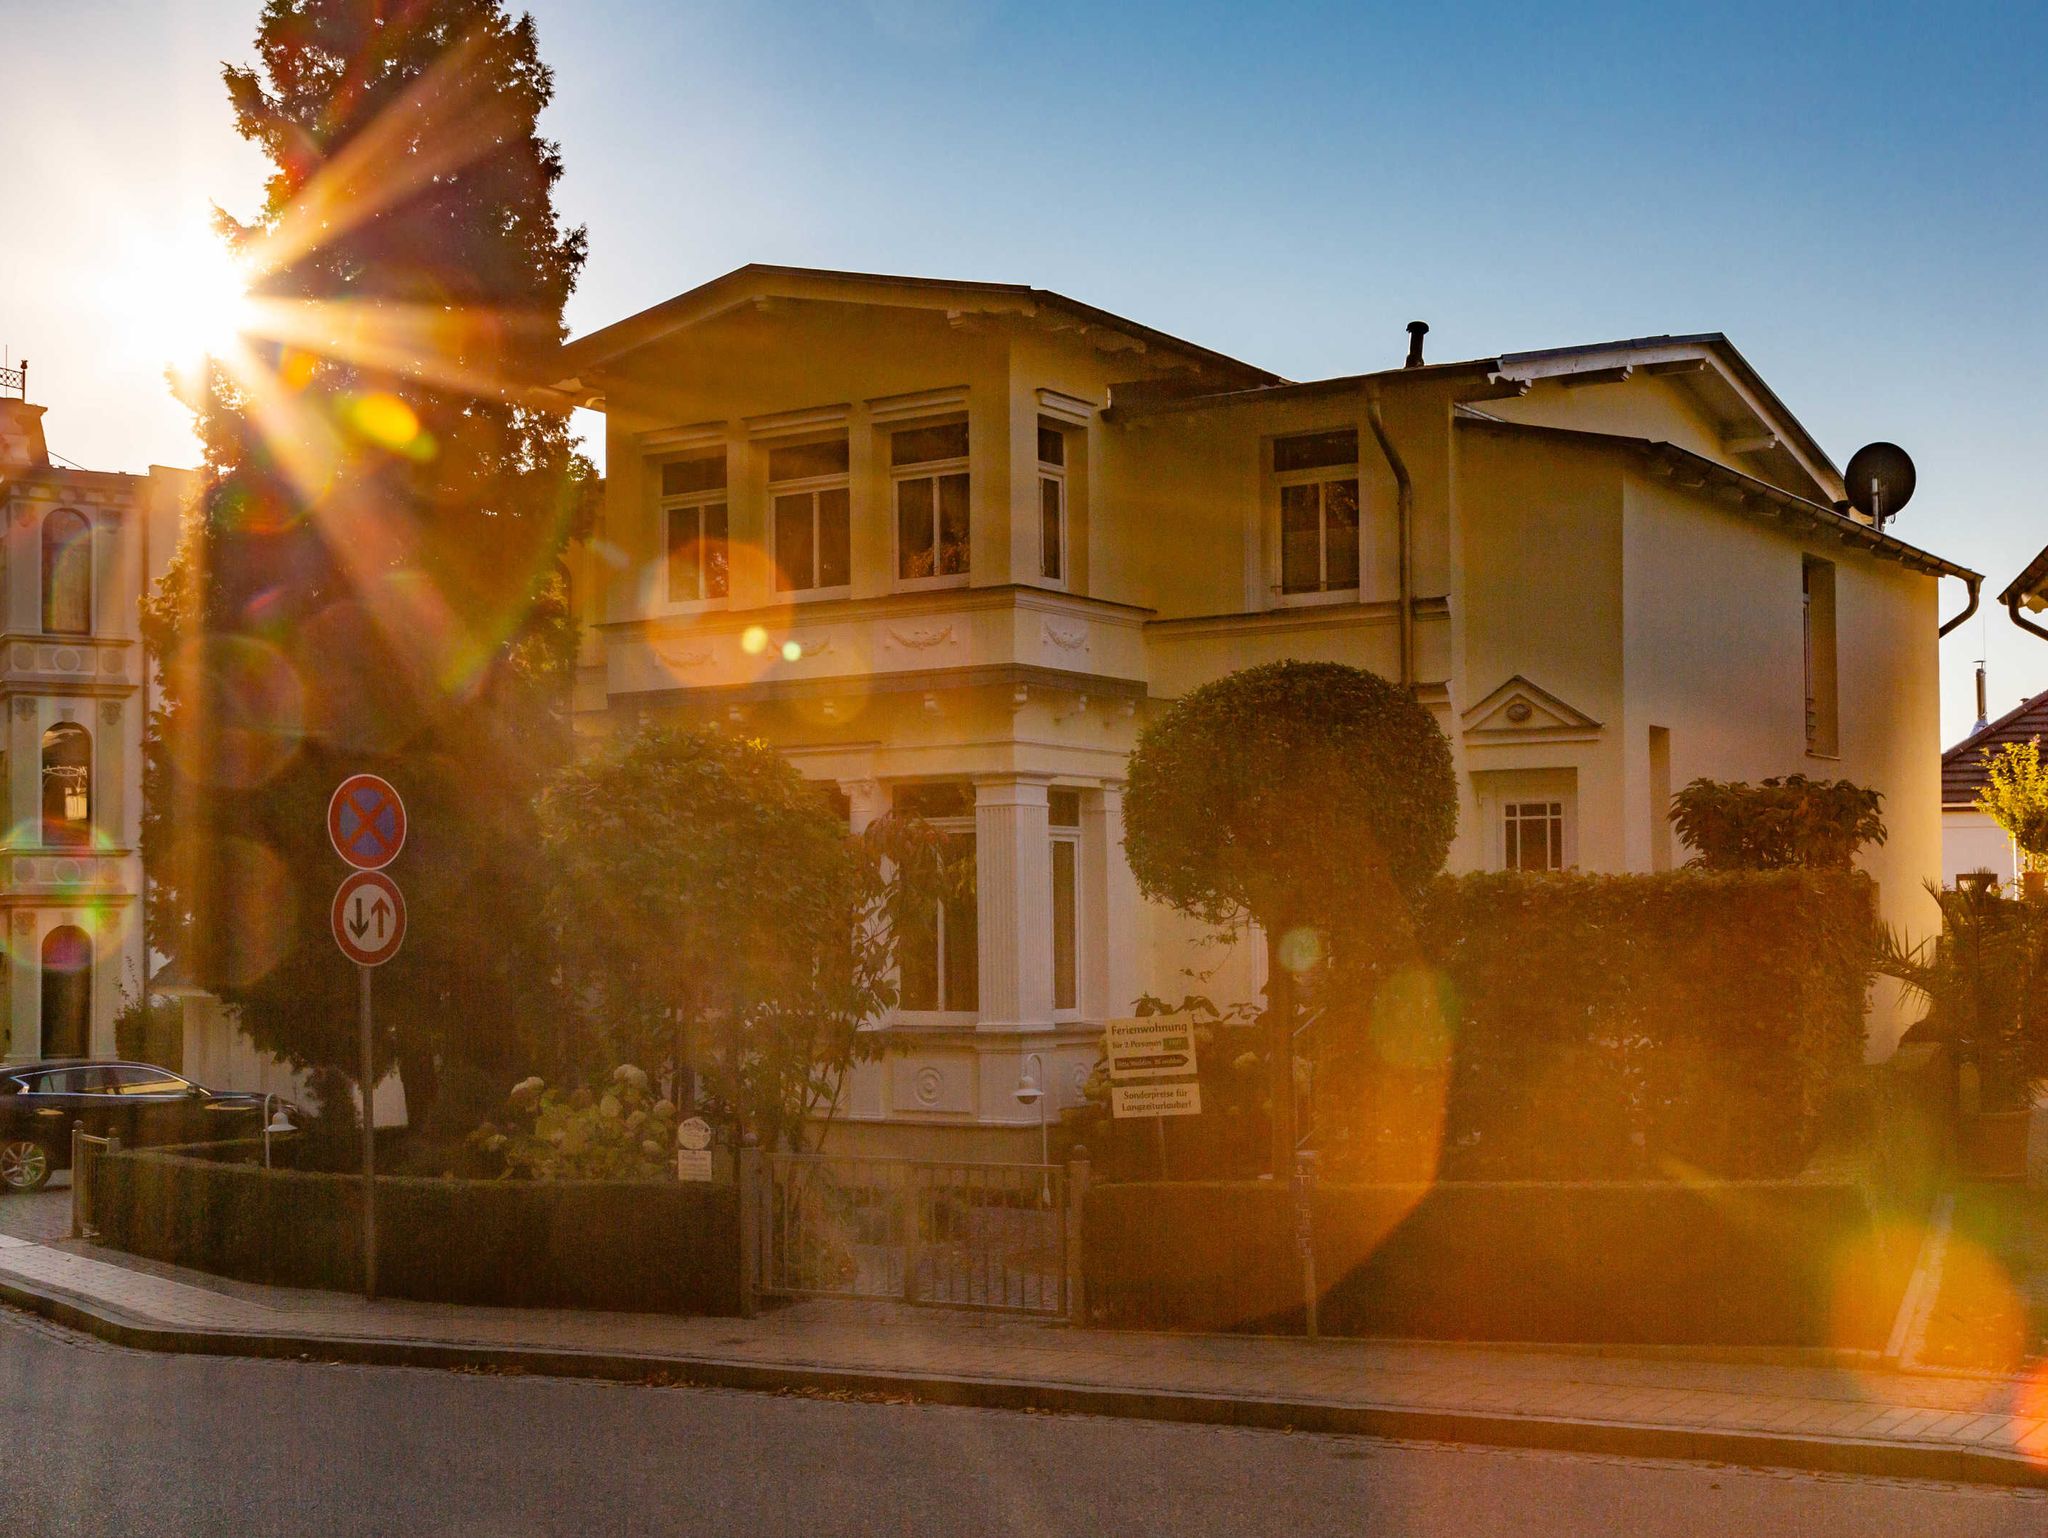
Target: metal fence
point(950, 1235)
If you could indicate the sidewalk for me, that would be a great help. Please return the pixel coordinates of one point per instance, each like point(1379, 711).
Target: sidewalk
point(1762, 1413)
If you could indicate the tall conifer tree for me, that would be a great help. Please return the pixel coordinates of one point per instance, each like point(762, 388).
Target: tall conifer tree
point(372, 580)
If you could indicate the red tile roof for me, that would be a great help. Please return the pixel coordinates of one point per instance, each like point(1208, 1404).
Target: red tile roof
point(1962, 766)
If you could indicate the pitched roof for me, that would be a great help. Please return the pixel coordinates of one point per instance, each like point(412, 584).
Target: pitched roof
point(591, 351)
point(1739, 492)
point(1962, 766)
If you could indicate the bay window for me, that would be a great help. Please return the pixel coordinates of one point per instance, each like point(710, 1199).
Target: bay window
point(807, 492)
point(928, 472)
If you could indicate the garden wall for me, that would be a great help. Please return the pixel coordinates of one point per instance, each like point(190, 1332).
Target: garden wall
point(644, 1245)
point(1739, 1263)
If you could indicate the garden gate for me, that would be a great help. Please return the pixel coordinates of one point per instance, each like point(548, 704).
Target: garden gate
point(977, 1236)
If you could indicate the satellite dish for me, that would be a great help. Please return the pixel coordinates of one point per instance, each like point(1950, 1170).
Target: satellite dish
point(1880, 480)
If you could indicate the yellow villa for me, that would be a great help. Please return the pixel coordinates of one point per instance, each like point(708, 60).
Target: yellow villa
point(948, 544)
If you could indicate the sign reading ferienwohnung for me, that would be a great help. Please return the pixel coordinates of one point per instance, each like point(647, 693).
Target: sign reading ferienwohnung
point(1145, 1052)
point(1150, 1047)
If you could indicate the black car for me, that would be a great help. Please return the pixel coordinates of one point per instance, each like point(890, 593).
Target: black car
point(41, 1102)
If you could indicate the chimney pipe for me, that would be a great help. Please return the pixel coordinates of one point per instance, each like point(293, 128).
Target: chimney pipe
point(1983, 712)
point(1417, 330)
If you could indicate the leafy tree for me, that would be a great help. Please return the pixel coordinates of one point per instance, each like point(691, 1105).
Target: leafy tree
point(1780, 823)
point(1313, 799)
point(371, 578)
point(711, 911)
point(2015, 796)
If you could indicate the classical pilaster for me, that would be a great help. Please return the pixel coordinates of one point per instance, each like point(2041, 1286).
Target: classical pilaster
point(1109, 906)
point(866, 802)
point(1013, 878)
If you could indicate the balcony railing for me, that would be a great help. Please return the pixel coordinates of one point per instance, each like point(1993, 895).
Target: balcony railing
point(15, 380)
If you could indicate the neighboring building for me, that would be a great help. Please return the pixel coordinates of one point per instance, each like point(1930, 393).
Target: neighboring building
point(949, 545)
point(1970, 840)
point(78, 548)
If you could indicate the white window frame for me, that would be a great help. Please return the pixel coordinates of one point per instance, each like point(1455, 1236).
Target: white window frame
point(932, 470)
point(694, 502)
point(1071, 838)
point(1501, 789)
point(962, 826)
point(809, 486)
point(1319, 476)
point(1054, 475)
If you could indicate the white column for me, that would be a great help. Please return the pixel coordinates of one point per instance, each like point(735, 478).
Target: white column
point(1013, 903)
point(1109, 908)
point(866, 800)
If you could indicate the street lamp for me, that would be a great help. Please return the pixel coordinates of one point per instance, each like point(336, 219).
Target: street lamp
point(1031, 1090)
point(280, 1123)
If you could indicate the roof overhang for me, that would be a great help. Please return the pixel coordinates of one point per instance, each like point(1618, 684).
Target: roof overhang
point(1753, 422)
point(1737, 491)
point(582, 362)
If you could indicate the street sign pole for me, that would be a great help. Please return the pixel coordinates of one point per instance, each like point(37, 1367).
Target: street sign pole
point(366, 823)
point(368, 1081)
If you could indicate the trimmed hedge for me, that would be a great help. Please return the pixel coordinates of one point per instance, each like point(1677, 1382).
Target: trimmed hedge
point(644, 1245)
point(1622, 1026)
point(1740, 1263)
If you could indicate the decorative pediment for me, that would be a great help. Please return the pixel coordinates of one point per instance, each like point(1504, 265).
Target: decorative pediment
point(1519, 711)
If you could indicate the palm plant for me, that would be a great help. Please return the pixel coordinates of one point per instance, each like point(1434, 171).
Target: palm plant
point(1985, 981)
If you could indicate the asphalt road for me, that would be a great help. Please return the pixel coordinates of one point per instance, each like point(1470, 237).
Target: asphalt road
point(103, 1440)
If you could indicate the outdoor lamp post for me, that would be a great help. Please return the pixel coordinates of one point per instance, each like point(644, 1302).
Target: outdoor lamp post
point(279, 1123)
point(1031, 1090)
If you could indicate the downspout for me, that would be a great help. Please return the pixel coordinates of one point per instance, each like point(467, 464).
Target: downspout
point(2012, 607)
point(1404, 504)
point(1971, 608)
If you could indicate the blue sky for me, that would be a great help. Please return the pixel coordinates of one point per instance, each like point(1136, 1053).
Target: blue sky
point(1855, 194)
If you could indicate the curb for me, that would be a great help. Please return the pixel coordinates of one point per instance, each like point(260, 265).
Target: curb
point(1761, 1449)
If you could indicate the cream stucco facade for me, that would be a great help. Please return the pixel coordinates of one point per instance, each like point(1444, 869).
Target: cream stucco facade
point(76, 551)
point(953, 543)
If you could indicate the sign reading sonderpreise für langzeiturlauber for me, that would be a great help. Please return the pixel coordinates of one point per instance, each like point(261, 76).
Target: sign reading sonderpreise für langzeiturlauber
point(1145, 1052)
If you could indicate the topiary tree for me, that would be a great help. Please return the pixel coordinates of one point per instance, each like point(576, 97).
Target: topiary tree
point(711, 911)
point(1307, 797)
point(1777, 824)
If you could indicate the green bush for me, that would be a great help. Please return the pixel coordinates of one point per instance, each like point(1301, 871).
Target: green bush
point(1777, 824)
point(1762, 1263)
point(642, 1245)
point(621, 1131)
point(1602, 1026)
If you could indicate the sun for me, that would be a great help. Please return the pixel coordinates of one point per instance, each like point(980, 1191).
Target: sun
point(179, 299)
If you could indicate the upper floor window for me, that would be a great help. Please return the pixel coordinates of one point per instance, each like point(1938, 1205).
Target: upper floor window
point(693, 506)
point(67, 574)
point(1052, 504)
point(1817, 611)
point(928, 466)
point(67, 784)
point(1317, 477)
point(807, 491)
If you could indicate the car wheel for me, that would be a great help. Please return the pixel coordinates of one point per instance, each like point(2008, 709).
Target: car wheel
point(24, 1164)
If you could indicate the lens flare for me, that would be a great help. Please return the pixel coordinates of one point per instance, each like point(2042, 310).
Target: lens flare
point(754, 640)
point(1301, 950)
point(252, 704)
point(792, 652)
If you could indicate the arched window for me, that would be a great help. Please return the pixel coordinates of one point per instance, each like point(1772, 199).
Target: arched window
point(67, 574)
point(67, 784)
point(67, 992)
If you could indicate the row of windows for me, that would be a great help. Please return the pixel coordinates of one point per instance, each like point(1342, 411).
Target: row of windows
point(1315, 475)
point(810, 513)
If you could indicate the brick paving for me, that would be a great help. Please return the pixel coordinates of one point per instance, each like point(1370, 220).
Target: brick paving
point(1856, 1406)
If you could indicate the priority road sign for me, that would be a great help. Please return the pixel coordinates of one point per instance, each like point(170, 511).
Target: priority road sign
point(366, 821)
point(368, 918)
